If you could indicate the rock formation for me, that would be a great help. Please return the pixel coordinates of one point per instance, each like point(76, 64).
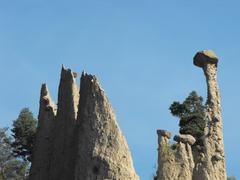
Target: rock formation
point(105, 154)
point(185, 162)
point(178, 163)
point(213, 165)
point(80, 140)
point(42, 151)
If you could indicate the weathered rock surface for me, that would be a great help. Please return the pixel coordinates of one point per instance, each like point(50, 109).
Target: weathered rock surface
point(205, 57)
point(63, 147)
point(185, 138)
point(42, 150)
point(164, 133)
point(102, 152)
point(82, 140)
point(190, 162)
point(213, 164)
point(175, 164)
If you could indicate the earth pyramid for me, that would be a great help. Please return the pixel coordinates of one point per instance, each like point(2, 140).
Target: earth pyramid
point(79, 139)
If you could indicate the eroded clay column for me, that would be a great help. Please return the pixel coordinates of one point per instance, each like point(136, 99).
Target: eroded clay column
point(42, 154)
point(103, 152)
point(165, 158)
point(213, 167)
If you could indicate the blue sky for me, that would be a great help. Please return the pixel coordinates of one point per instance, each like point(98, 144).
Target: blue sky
point(141, 51)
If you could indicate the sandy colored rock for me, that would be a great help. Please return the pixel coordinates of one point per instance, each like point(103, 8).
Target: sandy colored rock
point(165, 133)
point(42, 149)
point(185, 138)
point(212, 166)
point(79, 144)
point(205, 57)
point(191, 162)
point(102, 152)
point(64, 145)
point(175, 164)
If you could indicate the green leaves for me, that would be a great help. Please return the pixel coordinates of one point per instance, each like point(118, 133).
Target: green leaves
point(24, 132)
point(191, 114)
point(10, 167)
point(17, 151)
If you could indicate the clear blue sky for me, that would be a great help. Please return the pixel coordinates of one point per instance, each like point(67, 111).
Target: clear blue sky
point(141, 51)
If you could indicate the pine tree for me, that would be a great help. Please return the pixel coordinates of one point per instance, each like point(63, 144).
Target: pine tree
point(11, 168)
point(24, 132)
point(191, 114)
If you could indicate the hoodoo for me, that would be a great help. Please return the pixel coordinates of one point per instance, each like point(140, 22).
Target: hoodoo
point(213, 165)
point(103, 151)
point(185, 161)
point(80, 140)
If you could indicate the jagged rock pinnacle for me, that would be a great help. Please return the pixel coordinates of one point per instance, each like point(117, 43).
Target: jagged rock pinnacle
point(187, 161)
point(103, 152)
point(82, 143)
point(62, 163)
point(41, 154)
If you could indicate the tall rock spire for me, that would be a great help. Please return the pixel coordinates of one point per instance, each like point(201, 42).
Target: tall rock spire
point(62, 163)
point(213, 165)
point(102, 149)
point(42, 153)
point(205, 162)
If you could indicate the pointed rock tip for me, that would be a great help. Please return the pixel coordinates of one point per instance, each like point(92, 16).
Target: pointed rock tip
point(63, 66)
point(204, 57)
point(68, 73)
point(89, 78)
point(44, 90)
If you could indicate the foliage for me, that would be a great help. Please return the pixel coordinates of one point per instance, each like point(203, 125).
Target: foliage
point(191, 114)
point(175, 146)
point(10, 167)
point(166, 152)
point(24, 133)
point(231, 178)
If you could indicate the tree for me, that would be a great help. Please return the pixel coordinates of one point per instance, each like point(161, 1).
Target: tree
point(231, 178)
point(191, 114)
point(11, 168)
point(24, 133)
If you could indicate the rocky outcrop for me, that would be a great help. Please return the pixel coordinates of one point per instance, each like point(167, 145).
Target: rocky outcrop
point(63, 145)
point(175, 162)
point(185, 138)
point(213, 163)
point(188, 161)
point(103, 152)
point(42, 151)
point(81, 140)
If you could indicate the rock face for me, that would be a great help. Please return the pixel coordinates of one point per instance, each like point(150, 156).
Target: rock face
point(185, 138)
point(186, 162)
point(174, 164)
point(42, 151)
point(63, 144)
point(105, 154)
point(81, 141)
point(213, 165)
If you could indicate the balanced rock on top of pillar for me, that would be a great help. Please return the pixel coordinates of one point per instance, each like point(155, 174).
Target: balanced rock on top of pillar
point(205, 56)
